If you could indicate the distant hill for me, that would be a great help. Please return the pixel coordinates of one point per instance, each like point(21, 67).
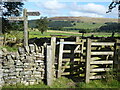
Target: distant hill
point(75, 23)
point(32, 23)
point(85, 19)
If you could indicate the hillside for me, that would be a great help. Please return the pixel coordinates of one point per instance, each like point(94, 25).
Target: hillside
point(85, 19)
point(77, 24)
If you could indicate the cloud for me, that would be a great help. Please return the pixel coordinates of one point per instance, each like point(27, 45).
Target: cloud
point(91, 10)
point(56, 8)
point(53, 5)
point(71, 0)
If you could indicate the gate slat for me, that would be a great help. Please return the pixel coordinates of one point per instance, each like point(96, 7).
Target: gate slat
point(103, 43)
point(101, 62)
point(102, 53)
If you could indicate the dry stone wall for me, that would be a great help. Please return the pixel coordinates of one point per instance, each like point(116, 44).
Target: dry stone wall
point(26, 66)
point(1, 71)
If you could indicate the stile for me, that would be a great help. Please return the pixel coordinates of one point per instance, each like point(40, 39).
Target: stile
point(60, 58)
point(88, 59)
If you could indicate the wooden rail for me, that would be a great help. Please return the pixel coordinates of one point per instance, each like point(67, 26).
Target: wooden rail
point(102, 62)
point(103, 43)
point(102, 53)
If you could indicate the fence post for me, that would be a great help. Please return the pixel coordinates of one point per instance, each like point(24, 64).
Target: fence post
point(88, 58)
point(1, 70)
point(117, 58)
point(77, 39)
point(49, 66)
point(1, 40)
point(60, 58)
point(53, 46)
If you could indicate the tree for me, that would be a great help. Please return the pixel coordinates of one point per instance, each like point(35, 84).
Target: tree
point(42, 24)
point(113, 4)
point(10, 9)
point(83, 31)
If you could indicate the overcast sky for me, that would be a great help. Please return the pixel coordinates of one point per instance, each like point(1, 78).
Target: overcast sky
point(88, 8)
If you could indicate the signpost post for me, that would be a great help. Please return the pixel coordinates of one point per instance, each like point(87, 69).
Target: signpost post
point(25, 27)
point(25, 19)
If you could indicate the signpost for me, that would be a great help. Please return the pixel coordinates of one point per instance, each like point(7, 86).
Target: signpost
point(16, 18)
point(25, 19)
point(33, 13)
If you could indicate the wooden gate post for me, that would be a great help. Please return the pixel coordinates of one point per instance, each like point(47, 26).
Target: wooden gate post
point(60, 58)
point(49, 66)
point(88, 58)
point(117, 58)
point(53, 46)
point(1, 40)
point(77, 39)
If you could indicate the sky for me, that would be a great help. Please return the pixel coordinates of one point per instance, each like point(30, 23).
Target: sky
point(56, 8)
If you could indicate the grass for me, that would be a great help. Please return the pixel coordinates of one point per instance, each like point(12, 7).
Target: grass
point(10, 49)
point(33, 34)
point(58, 83)
point(41, 85)
point(38, 34)
point(68, 83)
point(87, 25)
point(99, 84)
point(63, 83)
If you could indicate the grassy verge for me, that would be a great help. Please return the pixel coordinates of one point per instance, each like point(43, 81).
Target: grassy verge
point(99, 84)
point(68, 83)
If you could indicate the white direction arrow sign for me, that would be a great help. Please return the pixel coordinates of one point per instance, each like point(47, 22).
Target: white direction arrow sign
point(33, 13)
point(16, 18)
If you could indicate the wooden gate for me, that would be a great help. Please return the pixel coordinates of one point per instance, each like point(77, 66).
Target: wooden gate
point(99, 59)
point(85, 58)
point(71, 60)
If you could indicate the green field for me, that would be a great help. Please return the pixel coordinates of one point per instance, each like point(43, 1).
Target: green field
point(87, 25)
point(33, 34)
